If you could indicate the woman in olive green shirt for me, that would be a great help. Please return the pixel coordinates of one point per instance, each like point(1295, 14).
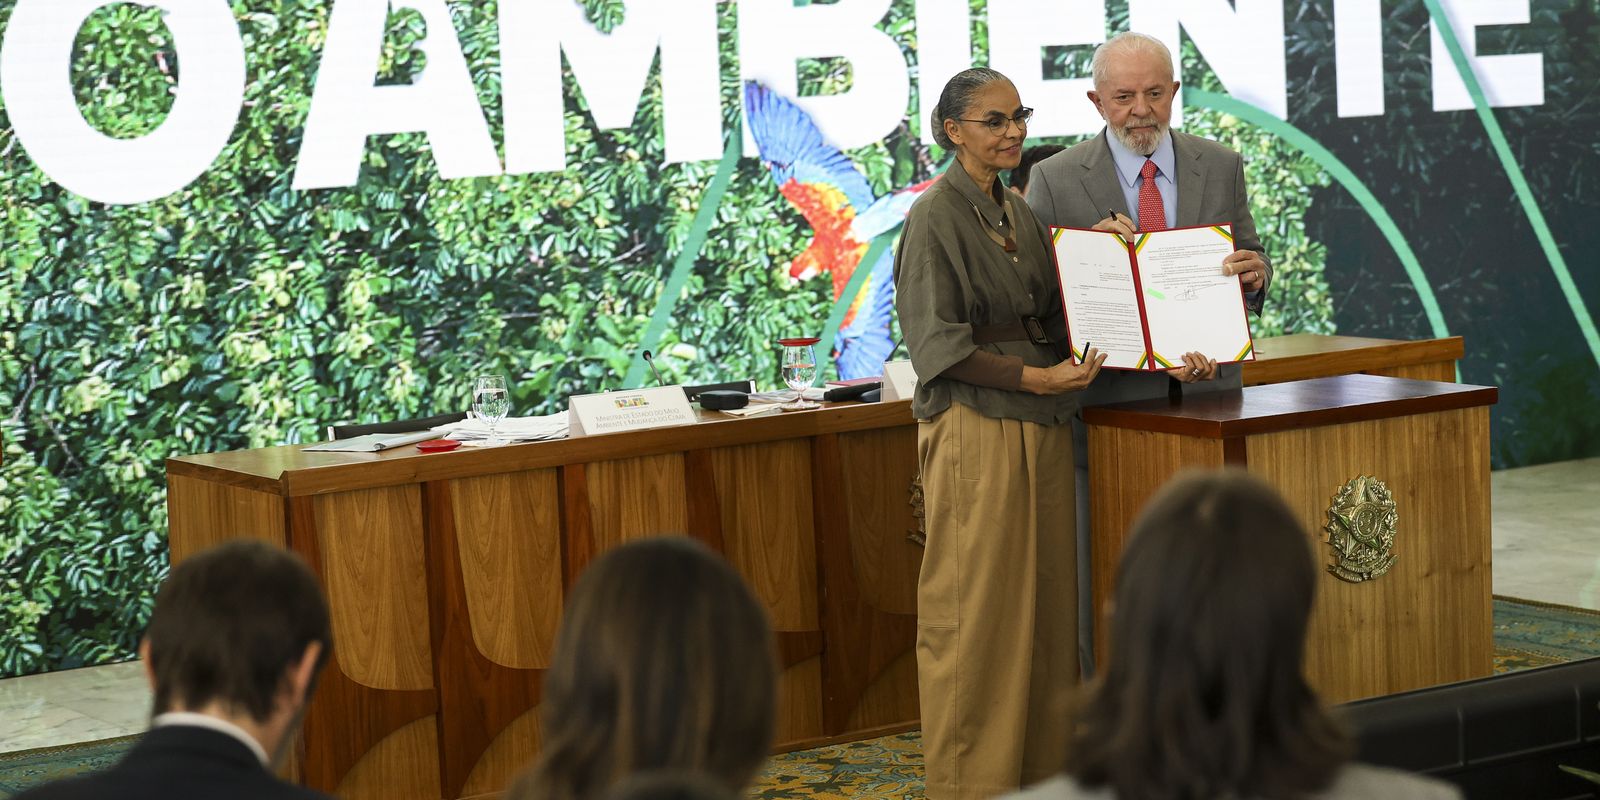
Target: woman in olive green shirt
point(979, 303)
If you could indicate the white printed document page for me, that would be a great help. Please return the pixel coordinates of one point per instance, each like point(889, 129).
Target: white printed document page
point(1098, 293)
point(1189, 305)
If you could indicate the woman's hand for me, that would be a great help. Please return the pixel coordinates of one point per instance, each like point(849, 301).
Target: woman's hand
point(1195, 368)
point(1064, 377)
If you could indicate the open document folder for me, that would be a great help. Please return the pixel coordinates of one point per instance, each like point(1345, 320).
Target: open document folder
point(1147, 302)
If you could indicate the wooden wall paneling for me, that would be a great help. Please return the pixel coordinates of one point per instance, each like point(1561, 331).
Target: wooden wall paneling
point(1442, 371)
point(480, 698)
point(508, 527)
point(402, 765)
point(201, 513)
point(507, 756)
point(1235, 451)
point(346, 720)
point(763, 494)
point(860, 641)
point(703, 503)
point(879, 468)
point(1125, 468)
point(711, 499)
point(799, 689)
point(1428, 620)
point(797, 646)
point(755, 500)
point(799, 717)
point(635, 498)
point(886, 698)
point(371, 543)
point(577, 529)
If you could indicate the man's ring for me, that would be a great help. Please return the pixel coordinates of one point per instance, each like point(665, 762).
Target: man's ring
point(1193, 371)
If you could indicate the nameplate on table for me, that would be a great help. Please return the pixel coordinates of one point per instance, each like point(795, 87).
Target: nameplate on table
point(633, 410)
point(899, 380)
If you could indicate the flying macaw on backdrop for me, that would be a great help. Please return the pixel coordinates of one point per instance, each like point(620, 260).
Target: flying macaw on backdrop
point(834, 197)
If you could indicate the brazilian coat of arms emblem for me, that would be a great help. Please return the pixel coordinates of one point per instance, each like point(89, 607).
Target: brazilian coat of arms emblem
point(1361, 529)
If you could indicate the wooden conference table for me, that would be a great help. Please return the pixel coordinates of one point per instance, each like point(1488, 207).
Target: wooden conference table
point(445, 573)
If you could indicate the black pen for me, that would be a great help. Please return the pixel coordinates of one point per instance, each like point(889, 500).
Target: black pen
point(1113, 213)
point(1084, 359)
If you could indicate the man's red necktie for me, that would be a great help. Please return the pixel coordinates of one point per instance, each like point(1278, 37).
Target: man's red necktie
point(1152, 215)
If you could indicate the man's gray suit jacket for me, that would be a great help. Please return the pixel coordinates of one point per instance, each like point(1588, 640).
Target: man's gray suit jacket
point(1076, 187)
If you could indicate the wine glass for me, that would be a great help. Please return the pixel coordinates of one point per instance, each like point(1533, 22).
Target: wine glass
point(799, 370)
point(491, 402)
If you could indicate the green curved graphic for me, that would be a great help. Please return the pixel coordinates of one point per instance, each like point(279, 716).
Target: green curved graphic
point(857, 279)
point(684, 264)
point(1345, 177)
point(1519, 183)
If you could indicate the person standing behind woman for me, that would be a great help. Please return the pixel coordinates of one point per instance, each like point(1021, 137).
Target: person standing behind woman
point(980, 307)
point(664, 661)
point(1204, 694)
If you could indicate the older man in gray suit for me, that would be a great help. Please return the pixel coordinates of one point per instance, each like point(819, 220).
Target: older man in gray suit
point(1138, 174)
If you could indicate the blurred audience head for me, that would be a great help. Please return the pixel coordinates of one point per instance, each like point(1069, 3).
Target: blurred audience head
point(1030, 157)
point(1203, 693)
point(664, 660)
point(239, 632)
point(671, 785)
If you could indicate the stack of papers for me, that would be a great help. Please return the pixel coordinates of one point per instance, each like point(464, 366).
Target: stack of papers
point(752, 410)
point(370, 443)
point(786, 395)
point(516, 429)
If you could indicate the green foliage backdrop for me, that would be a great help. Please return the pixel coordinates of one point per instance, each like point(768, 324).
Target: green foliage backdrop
point(239, 313)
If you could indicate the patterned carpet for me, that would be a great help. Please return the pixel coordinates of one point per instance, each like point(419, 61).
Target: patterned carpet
point(1526, 634)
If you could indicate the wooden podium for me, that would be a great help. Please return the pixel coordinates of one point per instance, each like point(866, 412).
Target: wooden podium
point(446, 574)
point(1427, 620)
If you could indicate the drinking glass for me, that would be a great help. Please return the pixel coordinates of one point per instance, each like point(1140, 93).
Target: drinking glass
point(799, 370)
point(492, 402)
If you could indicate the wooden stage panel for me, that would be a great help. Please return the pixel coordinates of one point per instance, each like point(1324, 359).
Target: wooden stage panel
point(891, 697)
point(510, 753)
point(508, 528)
point(763, 496)
point(1299, 356)
point(203, 513)
point(799, 705)
point(754, 504)
point(1132, 483)
point(635, 498)
point(1427, 621)
point(372, 560)
point(403, 758)
point(879, 468)
point(1442, 371)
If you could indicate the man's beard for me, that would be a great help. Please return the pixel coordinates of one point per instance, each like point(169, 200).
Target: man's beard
point(1144, 143)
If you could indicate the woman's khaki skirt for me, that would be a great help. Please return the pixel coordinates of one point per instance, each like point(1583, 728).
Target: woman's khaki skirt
point(997, 619)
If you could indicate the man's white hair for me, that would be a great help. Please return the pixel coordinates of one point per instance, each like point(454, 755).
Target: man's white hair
point(1131, 42)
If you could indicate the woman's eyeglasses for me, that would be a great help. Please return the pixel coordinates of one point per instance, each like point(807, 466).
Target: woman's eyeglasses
point(997, 124)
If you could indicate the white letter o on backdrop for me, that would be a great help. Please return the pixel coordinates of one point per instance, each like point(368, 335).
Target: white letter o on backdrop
point(36, 81)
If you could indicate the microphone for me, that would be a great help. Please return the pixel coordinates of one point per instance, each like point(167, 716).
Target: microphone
point(653, 370)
